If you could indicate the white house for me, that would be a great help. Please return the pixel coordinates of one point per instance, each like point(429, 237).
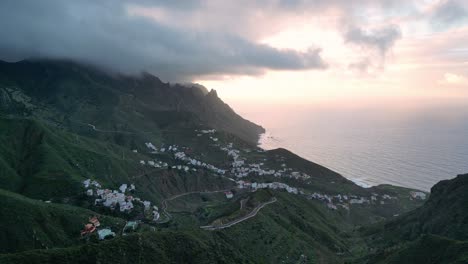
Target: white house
point(104, 233)
point(229, 194)
point(418, 195)
point(147, 204)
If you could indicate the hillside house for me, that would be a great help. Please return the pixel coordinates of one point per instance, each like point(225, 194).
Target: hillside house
point(229, 194)
point(105, 233)
point(131, 226)
point(95, 221)
point(155, 215)
point(88, 229)
point(418, 195)
point(147, 204)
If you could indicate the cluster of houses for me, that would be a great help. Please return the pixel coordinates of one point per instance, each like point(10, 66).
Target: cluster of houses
point(154, 163)
point(114, 198)
point(88, 183)
point(339, 200)
point(239, 167)
point(273, 185)
point(120, 199)
point(333, 202)
point(196, 163)
point(205, 131)
point(154, 150)
point(180, 155)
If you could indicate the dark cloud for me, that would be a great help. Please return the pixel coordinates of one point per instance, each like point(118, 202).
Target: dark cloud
point(449, 12)
point(381, 39)
point(361, 66)
point(103, 33)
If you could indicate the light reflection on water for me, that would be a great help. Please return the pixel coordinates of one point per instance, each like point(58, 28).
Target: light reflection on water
point(414, 149)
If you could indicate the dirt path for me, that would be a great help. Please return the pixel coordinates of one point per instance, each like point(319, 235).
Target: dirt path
point(146, 173)
point(164, 202)
point(237, 221)
point(108, 131)
point(93, 127)
point(242, 203)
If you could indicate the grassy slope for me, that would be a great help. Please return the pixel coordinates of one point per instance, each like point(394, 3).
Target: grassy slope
point(445, 214)
point(29, 224)
point(49, 161)
point(280, 233)
point(289, 228)
point(428, 249)
point(64, 90)
point(150, 247)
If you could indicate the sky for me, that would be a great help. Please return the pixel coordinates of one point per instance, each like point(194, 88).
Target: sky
point(339, 52)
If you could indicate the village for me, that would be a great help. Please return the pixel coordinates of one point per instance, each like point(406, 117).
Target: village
point(124, 201)
point(239, 168)
point(121, 200)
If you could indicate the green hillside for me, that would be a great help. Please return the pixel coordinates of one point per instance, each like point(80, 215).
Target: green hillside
point(184, 170)
point(32, 224)
point(68, 93)
point(442, 220)
point(149, 247)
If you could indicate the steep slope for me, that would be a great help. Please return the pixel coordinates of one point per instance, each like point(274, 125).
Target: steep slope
point(66, 91)
point(149, 247)
point(46, 164)
point(62, 123)
point(49, 163)
point(426, 249)
point(442, 220)
point(445, 213)
point(31, 224)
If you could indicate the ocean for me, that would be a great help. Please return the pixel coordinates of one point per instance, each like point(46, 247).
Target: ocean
point(413, 148)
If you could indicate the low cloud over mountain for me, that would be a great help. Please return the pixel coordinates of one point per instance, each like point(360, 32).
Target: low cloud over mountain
point(107, 34)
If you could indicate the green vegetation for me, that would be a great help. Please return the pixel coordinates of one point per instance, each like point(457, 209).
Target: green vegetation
point(149, 247)
point(62, 123)
point(33, 224)
point(427, 249)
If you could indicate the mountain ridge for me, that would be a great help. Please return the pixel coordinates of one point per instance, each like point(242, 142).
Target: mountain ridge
point(73, 139)
point(55, 82)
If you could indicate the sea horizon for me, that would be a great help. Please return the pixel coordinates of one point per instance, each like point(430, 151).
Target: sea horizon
point(414, 150)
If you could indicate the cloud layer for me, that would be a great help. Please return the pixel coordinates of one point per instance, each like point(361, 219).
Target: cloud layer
point(381, 39)
point(183, 40)
point(106, 34)
point(449, 12)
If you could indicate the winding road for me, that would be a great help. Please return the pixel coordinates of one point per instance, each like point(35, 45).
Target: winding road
point(237, 221)
point(93, 127)
point(164, 202)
